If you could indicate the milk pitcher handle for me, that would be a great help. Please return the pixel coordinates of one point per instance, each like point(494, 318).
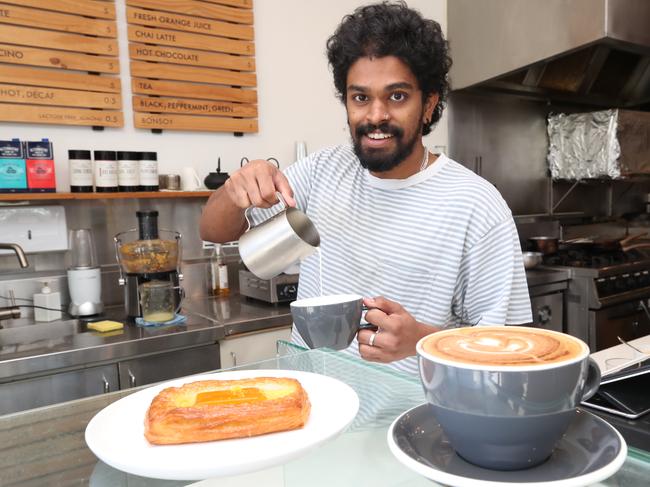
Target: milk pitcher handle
point(280, 198)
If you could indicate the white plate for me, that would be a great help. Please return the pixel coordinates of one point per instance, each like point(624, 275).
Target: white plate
point(116, 433)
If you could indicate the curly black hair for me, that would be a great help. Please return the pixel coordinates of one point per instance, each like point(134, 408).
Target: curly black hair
point(393, 29)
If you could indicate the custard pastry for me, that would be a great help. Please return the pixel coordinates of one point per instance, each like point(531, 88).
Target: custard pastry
point(210, 410)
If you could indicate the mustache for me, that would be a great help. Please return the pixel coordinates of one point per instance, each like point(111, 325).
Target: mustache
point(384, 127)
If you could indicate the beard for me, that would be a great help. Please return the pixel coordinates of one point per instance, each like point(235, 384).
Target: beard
point(377, 160)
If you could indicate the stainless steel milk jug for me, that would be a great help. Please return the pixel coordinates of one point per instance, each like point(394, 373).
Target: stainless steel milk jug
point(275, 244)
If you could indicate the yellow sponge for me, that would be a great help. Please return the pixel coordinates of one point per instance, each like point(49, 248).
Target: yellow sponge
point(105, 325)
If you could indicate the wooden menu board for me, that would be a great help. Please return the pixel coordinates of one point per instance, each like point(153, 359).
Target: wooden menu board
point(59, 63)
point(193, 65)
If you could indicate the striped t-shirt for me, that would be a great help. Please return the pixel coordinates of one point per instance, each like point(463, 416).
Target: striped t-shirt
point(442, 242)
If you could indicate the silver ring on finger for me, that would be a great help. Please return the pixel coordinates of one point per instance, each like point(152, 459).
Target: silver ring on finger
point(371, 341)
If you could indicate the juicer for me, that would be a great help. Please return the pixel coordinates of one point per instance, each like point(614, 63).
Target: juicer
point(147, 254)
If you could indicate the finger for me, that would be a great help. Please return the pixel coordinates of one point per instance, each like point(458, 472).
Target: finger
point(384, 304)
point(237, 193)
point(363, 336)
point(258, 181)
point(373, 354)
point(254, 193)
point(282, 185)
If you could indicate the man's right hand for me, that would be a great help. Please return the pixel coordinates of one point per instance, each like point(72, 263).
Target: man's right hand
point(256, 184)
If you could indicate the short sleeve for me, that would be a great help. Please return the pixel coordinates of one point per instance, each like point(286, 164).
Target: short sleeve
point(492, 287)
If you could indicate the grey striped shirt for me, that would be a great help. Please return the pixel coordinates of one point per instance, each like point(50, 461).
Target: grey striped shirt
point(442, 242)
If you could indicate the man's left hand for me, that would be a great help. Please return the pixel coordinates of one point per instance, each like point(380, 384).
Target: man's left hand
point(397, 334)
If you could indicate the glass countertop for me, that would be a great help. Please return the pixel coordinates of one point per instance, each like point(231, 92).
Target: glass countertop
point(359, 456)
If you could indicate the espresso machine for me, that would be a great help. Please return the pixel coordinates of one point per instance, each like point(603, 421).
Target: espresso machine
point(147, 254)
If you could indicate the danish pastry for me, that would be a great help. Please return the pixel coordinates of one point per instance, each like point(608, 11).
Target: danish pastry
point(218, 409)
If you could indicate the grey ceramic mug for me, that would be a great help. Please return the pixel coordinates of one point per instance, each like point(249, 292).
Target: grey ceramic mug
point(506, 417)
point(328, 321)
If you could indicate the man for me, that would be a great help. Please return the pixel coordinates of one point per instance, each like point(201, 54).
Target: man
point(432, 243)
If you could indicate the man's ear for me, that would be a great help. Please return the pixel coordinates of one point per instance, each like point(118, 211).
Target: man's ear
point(429, 106)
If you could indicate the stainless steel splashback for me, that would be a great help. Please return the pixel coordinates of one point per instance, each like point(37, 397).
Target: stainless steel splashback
point(108, 217)
point(590, 51)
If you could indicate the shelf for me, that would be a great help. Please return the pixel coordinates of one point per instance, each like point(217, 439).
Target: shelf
point(103, 196)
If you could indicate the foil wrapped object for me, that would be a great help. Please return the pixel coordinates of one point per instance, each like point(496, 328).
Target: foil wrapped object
point(584, 145)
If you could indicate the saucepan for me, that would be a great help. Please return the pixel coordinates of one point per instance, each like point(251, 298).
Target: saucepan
point(606, 244)
point(545, 245)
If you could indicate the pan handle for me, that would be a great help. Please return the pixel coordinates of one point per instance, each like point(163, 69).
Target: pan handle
point(636, 246)
point(631, 238)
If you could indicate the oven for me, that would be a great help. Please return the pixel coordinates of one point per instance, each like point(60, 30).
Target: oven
point(607, 296)
point(546, 290)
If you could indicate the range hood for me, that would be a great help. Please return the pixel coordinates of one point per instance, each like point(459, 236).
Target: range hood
point(593, 52)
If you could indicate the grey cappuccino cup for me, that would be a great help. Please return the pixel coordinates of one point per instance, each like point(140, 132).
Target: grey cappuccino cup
point(328, 321)
point(279, 242)
point(506, 417)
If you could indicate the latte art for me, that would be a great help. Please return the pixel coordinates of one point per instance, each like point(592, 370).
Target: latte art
point(502, 345)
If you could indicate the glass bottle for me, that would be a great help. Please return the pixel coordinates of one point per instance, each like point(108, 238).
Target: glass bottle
point(219, 273)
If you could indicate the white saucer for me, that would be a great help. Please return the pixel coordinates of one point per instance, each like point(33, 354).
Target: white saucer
point(590, 451)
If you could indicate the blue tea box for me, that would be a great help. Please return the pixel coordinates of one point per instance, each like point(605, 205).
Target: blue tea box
point(13, 167)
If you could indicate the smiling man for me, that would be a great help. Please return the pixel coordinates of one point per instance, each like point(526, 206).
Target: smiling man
point(429, 243)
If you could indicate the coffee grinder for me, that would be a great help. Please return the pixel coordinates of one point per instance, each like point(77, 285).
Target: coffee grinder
point(147, 254)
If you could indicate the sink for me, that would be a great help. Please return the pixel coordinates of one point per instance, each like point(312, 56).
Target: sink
point(38, 332)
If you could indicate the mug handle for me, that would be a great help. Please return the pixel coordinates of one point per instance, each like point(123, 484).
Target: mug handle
point(366, 325)
point(592, 383)
point(196, 178)
point(280, 198)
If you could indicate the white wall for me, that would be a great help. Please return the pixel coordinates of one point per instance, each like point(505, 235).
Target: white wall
point(296, 97)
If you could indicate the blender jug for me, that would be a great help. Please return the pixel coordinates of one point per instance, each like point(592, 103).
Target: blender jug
point(84, 274)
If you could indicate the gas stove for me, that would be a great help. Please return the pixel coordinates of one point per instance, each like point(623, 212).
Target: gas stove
point(608, 294)
point(599, 260)
point(614, 274)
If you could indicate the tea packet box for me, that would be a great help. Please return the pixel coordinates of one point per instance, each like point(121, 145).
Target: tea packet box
point(41, 177)
point(13, 169)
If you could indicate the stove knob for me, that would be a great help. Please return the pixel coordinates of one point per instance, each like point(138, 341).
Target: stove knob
point(644, 279)
point(544, 315)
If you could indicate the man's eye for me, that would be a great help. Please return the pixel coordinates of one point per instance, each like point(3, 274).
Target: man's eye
point(359, 98)
point(398, 96)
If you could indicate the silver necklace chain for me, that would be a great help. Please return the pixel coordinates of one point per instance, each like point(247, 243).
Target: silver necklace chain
point(425, 159)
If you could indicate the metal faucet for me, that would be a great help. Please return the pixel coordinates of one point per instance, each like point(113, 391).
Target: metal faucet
point(13, 311)
point(20, 253)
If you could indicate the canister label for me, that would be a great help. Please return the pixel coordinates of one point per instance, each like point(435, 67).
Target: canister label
point(106, 174)
point(81, 172)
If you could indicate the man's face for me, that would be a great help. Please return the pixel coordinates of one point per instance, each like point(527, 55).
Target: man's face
point(385, 111)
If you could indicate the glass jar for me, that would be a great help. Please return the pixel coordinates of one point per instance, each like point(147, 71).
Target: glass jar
point(157, 301)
